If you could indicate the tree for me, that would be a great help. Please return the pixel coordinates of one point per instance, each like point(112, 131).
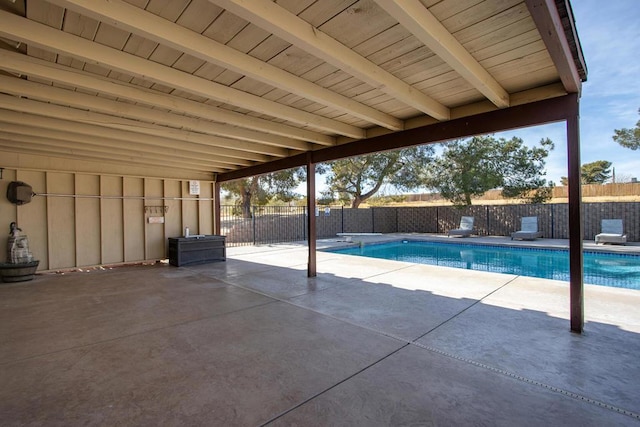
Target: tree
point(629, 138)
point(358, 178)
point(468, 168)
point(597, 172)
point(261, 189)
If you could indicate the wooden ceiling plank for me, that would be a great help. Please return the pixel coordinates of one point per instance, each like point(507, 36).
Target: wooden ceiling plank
point(80, 25)
point(412, 15)
point(170, 10)
point(45, 13)
point(288, 26)
point(165, 55)
point(91, 130)
point(28, 31)
point(500, 26)
point(446, 9)
point(36, 52)
point(181, 39)
point(140, 46)
point(198, 15)
point(43, 69)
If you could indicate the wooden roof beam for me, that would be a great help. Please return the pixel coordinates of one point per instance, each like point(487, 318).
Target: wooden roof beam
point(44, 147)
point(531, 114)
point(34, 67)
point(416, 18)
point(100, 143)
point(37, 91)
point(150, 26)
point(11, 116)
point(546, 17)
point(33, 33)
point(289, 27)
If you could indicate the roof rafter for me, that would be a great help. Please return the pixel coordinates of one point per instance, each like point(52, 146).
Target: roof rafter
point(416, 18)
point(27, 31)
point(72, 148)
point(153, 27)
point(109, 144)
point(12, 116)
point(37, 91)
point(295, 30)
point(33, 67)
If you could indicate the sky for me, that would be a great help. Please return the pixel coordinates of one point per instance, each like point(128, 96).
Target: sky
point(609, 33)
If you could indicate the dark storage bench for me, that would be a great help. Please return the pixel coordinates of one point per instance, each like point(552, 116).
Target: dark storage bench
point(196, 250)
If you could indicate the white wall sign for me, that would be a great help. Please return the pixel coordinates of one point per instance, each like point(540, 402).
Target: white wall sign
point(194, 188)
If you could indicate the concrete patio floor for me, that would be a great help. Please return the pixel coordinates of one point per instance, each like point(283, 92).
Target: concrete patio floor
point(253, 341)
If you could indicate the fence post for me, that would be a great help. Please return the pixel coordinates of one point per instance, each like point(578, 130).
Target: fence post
point(553, 210)
point(397, 224)
point(253, 223)
point(342, 219)
point(373, 221)
point(488, 223)
point(304, 225)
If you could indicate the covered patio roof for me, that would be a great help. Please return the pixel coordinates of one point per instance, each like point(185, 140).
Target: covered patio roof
point(218, 86)
point(232, 88)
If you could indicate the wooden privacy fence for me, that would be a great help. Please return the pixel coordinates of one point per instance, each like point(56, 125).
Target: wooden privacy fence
point(561, 192)
point(602, 190)
point(283, 225)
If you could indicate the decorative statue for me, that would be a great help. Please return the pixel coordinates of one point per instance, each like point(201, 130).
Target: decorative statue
point(14, 231)
point(17, 246)
point(20, 265)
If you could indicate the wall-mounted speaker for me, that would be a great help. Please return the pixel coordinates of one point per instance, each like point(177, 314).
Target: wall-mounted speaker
point(19, 192)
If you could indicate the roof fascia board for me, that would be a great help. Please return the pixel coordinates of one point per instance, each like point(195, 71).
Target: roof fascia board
point(536, 113)
point(547, 20)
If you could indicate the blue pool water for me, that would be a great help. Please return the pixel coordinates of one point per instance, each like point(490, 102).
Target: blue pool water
point(617, 270)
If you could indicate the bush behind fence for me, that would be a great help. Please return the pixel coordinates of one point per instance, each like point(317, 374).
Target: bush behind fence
point(276, 224)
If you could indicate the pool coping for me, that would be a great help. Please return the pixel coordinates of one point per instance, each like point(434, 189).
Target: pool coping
point(326, 245)
point(522, 248)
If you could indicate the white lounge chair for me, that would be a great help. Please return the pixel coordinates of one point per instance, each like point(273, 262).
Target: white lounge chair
point(466, 227)
point(528, 229)
point(612, 232)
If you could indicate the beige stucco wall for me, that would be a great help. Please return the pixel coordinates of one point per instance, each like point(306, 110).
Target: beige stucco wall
point(83, 219)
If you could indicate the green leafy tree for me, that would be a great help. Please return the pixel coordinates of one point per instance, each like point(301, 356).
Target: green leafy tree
point(262, 189)
point(629, 138)
point(356, 179)
point(597, 172)
point(469, 168)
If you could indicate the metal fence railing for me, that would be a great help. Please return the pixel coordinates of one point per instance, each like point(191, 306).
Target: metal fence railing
point(265, 224)
point(277, 224)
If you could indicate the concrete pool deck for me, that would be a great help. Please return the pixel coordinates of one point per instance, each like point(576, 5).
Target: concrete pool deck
point(253, 341)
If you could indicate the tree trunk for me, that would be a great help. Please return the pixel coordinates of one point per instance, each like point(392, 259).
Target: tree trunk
point(246, 204)
point(356, 202)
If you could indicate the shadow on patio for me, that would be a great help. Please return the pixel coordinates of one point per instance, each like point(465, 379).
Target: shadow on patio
point(367, 342)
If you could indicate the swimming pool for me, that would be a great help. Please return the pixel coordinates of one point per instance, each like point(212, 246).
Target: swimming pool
point(616, 270)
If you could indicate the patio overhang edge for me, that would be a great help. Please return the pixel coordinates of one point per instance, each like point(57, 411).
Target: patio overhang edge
point(536, 113)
